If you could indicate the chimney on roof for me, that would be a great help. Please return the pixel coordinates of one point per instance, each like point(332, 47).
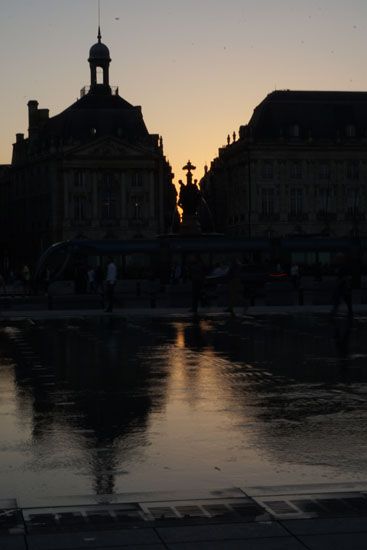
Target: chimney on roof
point(33, 121)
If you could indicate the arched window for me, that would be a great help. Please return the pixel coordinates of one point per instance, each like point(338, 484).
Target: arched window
point(99, 75)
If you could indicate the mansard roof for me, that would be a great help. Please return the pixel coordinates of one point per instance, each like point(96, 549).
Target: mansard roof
point(325, 114)
point(101, 114)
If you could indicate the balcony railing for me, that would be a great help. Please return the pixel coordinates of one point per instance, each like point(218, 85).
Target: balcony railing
point(86, 89)
point(322, 215)
point(355, 216)
point(269, 217)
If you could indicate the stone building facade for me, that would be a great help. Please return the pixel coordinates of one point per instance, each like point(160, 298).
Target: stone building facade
point(298, 168)
point(92, 171)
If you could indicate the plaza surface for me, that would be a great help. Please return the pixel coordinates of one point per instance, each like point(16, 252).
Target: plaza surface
point(153, 401)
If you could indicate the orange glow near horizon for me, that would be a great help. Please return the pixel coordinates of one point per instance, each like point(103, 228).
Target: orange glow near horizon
point(198, 69)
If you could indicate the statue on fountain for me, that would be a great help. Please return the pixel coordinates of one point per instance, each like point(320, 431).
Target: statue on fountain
point(189, 200)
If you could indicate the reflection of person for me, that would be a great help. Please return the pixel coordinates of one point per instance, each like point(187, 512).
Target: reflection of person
point(176, 273)
point(197, 275)
point(111, 278)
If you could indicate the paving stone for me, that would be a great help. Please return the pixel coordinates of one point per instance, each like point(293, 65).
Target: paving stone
point(223, 532)
point(94, 539)
point(278, 543)
point(346, 541)
point(12, 542)
point(325, 526)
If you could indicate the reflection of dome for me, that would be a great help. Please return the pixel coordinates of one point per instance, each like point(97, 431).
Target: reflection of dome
point(99, 51)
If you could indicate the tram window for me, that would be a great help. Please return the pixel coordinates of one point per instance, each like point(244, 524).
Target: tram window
point(298, 258)
point(306, 258)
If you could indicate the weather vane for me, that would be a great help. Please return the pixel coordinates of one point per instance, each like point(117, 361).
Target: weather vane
point(99, 21)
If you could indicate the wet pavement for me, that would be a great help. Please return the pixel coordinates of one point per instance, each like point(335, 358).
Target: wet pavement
point(108, 405)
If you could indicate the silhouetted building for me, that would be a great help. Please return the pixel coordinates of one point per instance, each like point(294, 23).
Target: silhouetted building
point(92, 171)
point(298, 167)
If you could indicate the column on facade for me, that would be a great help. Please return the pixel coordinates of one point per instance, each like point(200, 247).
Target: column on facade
point(124, 186)
point(94, 182)
point(150, 187)
point(284, 191)
point(67, 195)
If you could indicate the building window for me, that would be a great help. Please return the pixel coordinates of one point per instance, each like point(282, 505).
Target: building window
point(108, 192)
point(79, 178)
point(350, 131)
point(80, 207)
point(137, 179)
point(353, 170)
point(352, 201)
point(296, 170)
point(267, 201)
point(294, 131)
point(108, 204)
point(296, 205)
point(268, 169)
point(136, 200)
point(324, 171)
point(324, 195)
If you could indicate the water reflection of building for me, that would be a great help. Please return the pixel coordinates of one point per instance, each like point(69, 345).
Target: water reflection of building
point(298, 167)
point(92, 171)
point(102, 399)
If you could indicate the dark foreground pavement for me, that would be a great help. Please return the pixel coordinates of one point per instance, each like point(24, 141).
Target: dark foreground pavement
point(314, 517)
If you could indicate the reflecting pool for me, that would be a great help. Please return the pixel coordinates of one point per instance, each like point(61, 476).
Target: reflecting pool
point(108, 405)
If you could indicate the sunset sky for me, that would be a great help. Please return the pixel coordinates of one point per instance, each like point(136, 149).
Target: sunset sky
point(197, 67)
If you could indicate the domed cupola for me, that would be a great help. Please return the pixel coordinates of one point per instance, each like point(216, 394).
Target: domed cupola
point(99, 56)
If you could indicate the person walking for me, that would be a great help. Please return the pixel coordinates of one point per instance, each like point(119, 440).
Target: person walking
point(111, 278)
point(234, 285)
point(342, 290)
point(2, 283)
point(342, 293)
point(91, 274)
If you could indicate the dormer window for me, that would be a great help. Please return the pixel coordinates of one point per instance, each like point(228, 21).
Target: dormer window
point(350, 131)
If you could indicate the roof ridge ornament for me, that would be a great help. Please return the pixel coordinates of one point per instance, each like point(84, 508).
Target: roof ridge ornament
point(99, 36)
